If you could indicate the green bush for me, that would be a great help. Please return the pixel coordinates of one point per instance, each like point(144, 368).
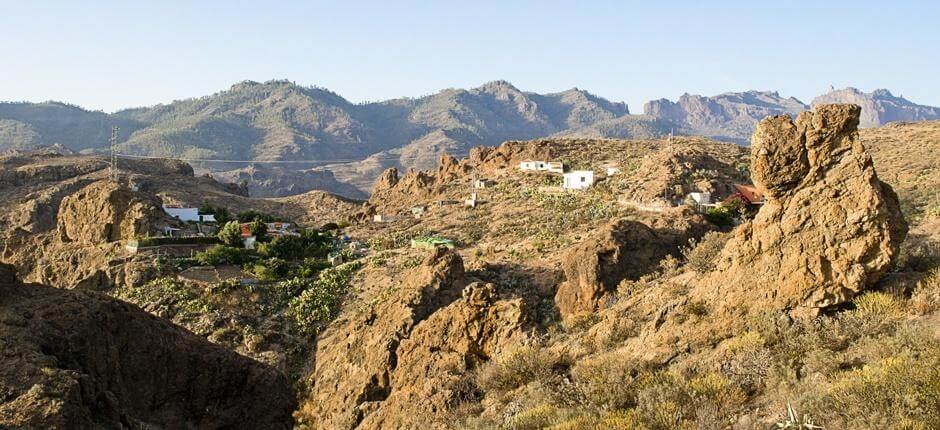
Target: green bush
point(721, 216)
point(310, 267)
point(900, 389)
point(221, 214)
point(221, 254)
point(259, 230)
point(231, 234)
point(318, 302)
point(251, 216)
point(310, 244)
point(270, 269)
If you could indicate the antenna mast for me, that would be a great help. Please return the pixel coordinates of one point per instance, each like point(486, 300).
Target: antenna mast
point(112, 170)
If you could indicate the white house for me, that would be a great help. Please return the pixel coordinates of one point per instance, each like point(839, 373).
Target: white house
point(701, 198)
point(578, 179)
point(543, 166)
point(183, 214)
point(553, 166)
point(483, 183)
point(206, 218)
point(528, 165)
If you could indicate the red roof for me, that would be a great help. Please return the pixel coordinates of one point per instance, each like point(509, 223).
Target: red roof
point(749, 194)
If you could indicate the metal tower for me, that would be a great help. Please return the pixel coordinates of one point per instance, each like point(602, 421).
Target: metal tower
point(112, 170)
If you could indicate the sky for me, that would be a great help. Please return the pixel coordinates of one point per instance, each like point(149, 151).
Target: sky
point(107, 55)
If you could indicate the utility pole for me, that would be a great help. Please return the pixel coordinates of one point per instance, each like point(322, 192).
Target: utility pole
point(112, 171)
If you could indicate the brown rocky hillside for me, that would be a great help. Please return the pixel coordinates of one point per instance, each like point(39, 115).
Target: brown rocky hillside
point(78, 359)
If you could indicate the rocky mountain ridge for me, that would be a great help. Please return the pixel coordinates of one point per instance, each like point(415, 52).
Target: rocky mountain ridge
point(284, 122)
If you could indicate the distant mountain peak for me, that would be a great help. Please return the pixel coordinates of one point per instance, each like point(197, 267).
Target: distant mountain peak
point(880, 106)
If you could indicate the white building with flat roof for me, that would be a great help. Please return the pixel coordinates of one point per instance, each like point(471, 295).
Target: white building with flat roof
point(578, 179)
point(701, 198)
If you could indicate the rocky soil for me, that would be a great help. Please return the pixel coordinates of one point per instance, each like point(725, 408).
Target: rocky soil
point(76, 359)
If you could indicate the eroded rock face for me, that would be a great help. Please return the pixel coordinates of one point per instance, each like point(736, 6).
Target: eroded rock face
point(74, 359)
point(357, 353)
point(106, 212)
point(391, 366)
point(442, 349)
point(624, 249)
point(829, 228)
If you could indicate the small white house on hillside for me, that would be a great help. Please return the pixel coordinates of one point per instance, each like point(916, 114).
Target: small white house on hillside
point(542, 166)
point(701, 198)
point(578, 179)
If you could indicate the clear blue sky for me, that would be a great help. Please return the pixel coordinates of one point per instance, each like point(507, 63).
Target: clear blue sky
point(110, 54)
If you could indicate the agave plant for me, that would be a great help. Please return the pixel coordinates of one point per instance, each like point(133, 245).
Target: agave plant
point(795, 421)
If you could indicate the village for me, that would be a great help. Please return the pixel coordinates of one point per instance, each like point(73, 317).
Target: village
point(209, 245)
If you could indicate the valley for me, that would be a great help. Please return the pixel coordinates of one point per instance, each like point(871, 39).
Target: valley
point(691, 283)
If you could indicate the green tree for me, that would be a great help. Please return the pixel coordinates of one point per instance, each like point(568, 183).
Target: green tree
point(231, 234)
point(259, 230)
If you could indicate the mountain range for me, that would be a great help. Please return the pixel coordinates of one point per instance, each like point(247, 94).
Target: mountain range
point(284, 138)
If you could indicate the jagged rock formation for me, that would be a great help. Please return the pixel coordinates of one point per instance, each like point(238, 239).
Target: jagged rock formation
point(879, 107)
point(623, 249)
point(106, 211)
point(391, 365)
point(75, 359)
point(829, 228)
point(728, 116)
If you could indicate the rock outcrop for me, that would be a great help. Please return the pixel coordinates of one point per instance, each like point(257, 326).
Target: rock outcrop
point(829, 227)
point(106, 211)
point(392, 365)
point(624, 249)
point(78, 359)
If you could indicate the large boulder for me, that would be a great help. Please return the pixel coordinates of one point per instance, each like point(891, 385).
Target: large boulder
point(829, 227)
point(106, 211)
point(623, 249)
point(79, 359)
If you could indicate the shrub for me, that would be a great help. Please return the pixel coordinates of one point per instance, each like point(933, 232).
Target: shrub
point(221, 254)
point(878, 304)
point(309, 244)
point(926, 296)
point(165, 297)
point(701, 256)
point(517, 368)
point(318, 302)
point(607, 381)
point(231, 234)
point(720, 216)
point(251, 216)
point(310, 267)
point(918, 253)
point(539, 417)
point(271, 269)
point(259, 230)
point(893, 390)
point(747, 361)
